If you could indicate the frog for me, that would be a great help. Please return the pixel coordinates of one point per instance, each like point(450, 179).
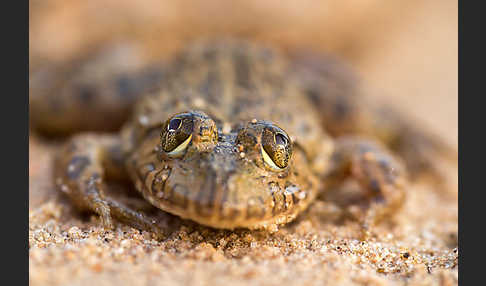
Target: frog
point(229, 134)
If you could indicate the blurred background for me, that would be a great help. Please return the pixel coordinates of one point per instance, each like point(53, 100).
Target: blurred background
point(405, 50)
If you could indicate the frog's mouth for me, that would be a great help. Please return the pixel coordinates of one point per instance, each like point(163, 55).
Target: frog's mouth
point(224, 189)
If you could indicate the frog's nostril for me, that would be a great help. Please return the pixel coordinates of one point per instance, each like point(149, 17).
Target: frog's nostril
point(205, 131)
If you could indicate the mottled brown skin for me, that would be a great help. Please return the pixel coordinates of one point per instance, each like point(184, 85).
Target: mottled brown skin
point(254, 148)
point(93, 93)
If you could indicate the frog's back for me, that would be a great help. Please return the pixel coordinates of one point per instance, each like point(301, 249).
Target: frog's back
point(233, 82)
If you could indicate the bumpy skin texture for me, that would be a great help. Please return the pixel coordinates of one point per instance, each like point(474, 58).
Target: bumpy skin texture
point(235, 97)
point(93, 93)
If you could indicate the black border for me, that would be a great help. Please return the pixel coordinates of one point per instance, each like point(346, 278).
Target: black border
point(471, 143)
point(15, 140)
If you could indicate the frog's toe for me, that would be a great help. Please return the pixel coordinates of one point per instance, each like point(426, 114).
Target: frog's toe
point(103, 210)
point(135, 218)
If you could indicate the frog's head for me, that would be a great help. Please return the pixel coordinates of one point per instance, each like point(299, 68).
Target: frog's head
point(195, 132)
point(243, 176)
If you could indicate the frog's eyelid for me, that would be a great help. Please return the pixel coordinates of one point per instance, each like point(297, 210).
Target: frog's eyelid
point(178, 150)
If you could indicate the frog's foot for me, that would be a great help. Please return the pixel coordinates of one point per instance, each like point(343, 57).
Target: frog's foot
point(80, 172)
point(378, 173)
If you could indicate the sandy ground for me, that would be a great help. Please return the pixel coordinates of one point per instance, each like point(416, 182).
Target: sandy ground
point(406, 52)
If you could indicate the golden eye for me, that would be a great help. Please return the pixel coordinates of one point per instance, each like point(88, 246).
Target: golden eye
point(177, 134)
point(276, 147)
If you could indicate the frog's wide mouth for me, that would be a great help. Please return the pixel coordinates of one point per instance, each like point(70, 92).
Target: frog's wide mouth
point(231, 198)
point(221, 189)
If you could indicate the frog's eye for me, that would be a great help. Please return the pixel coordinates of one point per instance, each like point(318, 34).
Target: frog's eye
point(174, 124)
point(276, 147)
point(177, 134)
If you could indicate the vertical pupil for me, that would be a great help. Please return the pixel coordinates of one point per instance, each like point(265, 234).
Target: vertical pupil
point(280, 139)
point(174, 124)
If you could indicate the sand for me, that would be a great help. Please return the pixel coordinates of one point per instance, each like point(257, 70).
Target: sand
point(418, 246)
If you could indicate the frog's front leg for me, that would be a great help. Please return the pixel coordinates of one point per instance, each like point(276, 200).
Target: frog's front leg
point(81, 170)
point(377, 172)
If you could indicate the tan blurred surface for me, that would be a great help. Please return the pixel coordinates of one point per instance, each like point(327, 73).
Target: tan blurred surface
point(406, 48)
point(406, 51)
